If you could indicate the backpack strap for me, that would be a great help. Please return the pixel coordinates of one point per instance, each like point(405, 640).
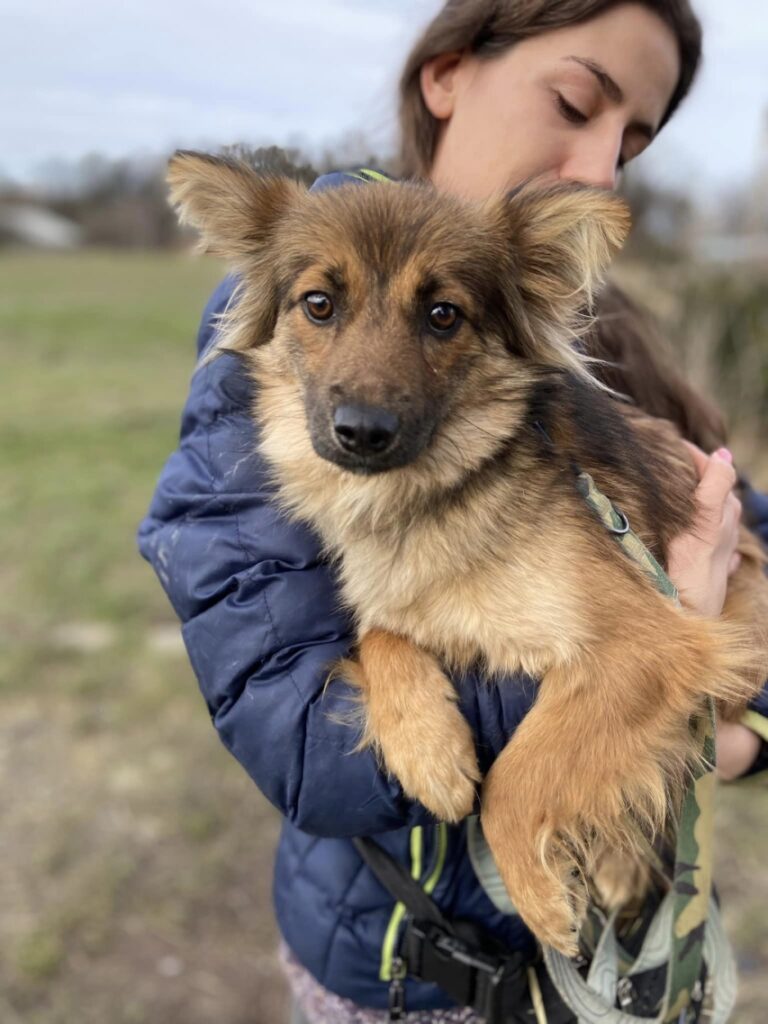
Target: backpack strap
point(595, 999)
point(398, 882)
point(459, 957)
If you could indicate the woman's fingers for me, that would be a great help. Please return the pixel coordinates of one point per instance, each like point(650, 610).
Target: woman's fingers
point(699, 458)
point(733, 509)
point(717, 506)
point(718, 478)
point(701, 560)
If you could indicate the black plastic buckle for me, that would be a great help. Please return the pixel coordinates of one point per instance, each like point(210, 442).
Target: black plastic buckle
point(487, 982)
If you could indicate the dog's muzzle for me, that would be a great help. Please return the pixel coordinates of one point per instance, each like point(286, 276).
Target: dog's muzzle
point(364, 430)
point(367, 438)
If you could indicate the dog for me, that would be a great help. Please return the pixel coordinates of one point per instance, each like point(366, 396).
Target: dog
point(423, 406)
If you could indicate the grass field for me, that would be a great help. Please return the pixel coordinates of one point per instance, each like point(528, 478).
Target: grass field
point(139, 852)
point(136, 853)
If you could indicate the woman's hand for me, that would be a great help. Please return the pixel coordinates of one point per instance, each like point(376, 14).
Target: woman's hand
point(701, 560)
point(737, 749)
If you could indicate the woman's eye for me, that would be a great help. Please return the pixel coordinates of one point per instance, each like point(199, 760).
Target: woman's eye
point(318, 307)
point(569, 112)
point(444, 318)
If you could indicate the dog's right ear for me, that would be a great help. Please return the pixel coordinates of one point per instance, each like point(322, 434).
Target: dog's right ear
point(235, 209)
point(562, 237)
point(237, 212)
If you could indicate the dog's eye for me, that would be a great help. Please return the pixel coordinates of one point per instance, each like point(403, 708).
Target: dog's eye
point(318, 306)
point(444, 318)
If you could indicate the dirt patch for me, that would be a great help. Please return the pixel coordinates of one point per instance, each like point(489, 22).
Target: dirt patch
point(136, 882)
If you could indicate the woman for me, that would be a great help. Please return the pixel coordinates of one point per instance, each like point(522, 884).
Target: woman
point(493, 94)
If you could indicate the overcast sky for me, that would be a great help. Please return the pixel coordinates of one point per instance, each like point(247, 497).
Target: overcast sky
point(78, 76)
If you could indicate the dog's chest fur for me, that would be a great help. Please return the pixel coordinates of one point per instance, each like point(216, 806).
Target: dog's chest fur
point(497, 575)
point(512, 608)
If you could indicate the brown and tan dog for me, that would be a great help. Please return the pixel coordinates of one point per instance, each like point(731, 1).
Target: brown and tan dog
point(422, 405)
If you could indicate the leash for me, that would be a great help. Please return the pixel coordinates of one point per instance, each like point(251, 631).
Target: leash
point(691, 885)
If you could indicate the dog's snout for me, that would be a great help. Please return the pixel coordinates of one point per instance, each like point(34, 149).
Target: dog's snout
point(363, 430)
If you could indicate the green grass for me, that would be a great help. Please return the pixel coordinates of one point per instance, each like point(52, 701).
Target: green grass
point(96, 351)
point(128, 833)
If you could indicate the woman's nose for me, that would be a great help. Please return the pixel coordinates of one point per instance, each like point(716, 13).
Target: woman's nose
point(594, 162)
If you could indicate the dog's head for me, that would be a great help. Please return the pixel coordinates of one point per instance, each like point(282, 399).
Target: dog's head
point(402, 314)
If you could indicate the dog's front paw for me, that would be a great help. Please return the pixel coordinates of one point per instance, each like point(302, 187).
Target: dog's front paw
point(413, 719)
point(536, 846)
point(620, 879)
point(436, 766)
point(542, 876)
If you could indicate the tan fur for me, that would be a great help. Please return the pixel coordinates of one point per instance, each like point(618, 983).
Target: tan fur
point(418, 710)
point(477, 548)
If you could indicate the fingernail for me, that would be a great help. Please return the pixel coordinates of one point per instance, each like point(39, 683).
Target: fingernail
point(724, 454)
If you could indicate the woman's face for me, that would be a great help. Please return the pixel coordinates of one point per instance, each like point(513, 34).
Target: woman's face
point(576, 104)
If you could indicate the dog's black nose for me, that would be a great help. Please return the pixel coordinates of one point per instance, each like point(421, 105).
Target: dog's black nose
point(364, 430)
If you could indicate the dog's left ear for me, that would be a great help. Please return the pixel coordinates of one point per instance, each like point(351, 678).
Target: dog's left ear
point(235, 208)
point(562, 238)
point(237, 212)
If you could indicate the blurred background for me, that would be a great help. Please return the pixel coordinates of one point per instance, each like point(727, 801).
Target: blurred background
point(136, 854)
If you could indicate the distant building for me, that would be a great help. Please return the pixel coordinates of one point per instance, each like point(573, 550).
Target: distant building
point(26, 224)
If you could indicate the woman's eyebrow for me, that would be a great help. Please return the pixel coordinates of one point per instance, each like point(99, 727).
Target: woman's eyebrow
point(612, 90)
point(607, 84)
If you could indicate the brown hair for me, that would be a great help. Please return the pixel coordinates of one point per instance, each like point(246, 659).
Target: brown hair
point(489, 27)
point(641, 365)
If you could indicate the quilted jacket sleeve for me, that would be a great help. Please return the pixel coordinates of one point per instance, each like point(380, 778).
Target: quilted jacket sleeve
point(756, 511)
point(262, 621)
point(756, 518)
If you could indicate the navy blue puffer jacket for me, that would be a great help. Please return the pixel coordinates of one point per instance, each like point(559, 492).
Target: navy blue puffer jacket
point(261, 622)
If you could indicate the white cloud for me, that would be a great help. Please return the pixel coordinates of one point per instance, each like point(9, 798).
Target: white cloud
point(93, 76)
